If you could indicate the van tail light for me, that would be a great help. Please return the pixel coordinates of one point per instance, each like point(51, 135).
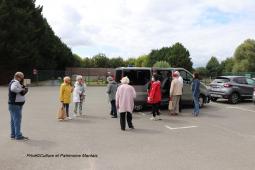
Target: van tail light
point(227, 85)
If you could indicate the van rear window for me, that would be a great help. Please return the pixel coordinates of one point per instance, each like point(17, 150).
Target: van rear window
point(138, 77)
point(221, 80)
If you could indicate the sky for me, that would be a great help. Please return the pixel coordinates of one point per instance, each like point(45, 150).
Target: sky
point(130, 28)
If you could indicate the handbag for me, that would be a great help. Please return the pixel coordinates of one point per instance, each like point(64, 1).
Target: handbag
point(61, 113)
point(170, 105)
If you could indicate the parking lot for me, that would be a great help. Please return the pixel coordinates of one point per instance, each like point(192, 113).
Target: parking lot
point(222, 137)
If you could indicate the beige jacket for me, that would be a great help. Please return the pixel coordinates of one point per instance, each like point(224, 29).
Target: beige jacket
point(176, 87)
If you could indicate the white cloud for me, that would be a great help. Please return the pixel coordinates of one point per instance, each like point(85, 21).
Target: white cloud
point(131, 28)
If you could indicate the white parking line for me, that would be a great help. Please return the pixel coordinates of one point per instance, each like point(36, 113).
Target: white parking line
point(176, 128)
point(239, 108)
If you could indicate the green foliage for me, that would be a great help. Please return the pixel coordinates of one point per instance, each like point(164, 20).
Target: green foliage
point(161, 64)
point(202, 71)
point(244, 57)
point(101, 61)
point(116, 62)
point(142, 61)
point(227, 65)
point(27, 41)
point(213, 67)
point(176, 55)
point(130, 62)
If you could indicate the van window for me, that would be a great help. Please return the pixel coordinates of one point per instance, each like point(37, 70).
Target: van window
point(240, 80)
point(250, 81)
point(138, 77)
point(118, 76)
point(221, 80)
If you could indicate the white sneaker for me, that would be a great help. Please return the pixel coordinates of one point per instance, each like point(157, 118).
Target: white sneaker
point(74, 115)
point(69, 118)
point(153, 118)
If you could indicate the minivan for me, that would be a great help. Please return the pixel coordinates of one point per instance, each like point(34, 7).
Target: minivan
point(140, 78)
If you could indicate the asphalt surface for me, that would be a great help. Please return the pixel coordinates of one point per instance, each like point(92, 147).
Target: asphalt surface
point(222, 137)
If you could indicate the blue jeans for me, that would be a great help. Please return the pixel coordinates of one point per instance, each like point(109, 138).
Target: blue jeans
point(16, 116)
point(196, 105)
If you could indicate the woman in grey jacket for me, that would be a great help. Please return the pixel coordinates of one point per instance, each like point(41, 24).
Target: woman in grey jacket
point(111, 91)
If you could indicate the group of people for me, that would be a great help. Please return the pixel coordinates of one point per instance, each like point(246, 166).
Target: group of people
point(66, 90)
point(121, 98)
point(175, 94)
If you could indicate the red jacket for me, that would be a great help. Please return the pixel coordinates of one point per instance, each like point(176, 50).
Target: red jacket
point(155, 93)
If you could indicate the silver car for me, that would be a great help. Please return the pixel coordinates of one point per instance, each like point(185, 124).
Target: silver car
point(233, 88)
point(140, 78)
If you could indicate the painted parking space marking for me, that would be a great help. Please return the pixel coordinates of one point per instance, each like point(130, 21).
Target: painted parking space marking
point(176, 128)
point(239, 108)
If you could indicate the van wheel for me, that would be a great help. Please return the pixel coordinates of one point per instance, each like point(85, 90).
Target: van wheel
point(214, 99)
point(201, 101)
point(234, 98)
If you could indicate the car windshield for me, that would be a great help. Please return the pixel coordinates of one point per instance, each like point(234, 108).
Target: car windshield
point(221, 80)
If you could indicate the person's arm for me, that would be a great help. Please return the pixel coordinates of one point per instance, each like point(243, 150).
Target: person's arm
point(16, 87)
point(108, 89)
point(117, 99)
point(134, 92)
point(172, 88)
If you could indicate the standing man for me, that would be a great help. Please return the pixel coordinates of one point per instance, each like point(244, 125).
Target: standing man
point(175, 93)
point(125, 103)
point(181, 81)
point(17, 92)
point(196, 93)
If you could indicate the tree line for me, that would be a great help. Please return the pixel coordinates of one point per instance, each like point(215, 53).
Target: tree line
point(243, 60)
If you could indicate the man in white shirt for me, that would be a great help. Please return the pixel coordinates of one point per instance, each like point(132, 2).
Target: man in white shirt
point(181, 81)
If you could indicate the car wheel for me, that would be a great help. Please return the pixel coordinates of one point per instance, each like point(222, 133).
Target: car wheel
point(234, 98)
point(201, 101)
point(214, 99)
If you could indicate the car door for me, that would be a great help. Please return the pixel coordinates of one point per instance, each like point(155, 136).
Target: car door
point(187, 92)
point(244, 88)
point(250, 86)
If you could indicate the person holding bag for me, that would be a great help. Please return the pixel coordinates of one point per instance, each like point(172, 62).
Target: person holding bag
point(154, 97)
point(78, 95)
point(175, 95)
point(65, 96)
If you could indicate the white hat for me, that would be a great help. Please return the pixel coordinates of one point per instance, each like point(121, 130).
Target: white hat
point(125, 80)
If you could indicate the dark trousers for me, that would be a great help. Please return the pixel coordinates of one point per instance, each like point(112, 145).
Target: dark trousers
point(180, 105)
point(155, 109)
point(123, 120)
point(113, 108)
point(66, 106)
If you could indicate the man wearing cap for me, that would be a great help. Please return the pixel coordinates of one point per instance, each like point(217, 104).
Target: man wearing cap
point(17, 92)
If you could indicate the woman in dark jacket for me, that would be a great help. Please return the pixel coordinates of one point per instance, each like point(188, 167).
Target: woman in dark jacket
point(154, 97)
point(196, 93)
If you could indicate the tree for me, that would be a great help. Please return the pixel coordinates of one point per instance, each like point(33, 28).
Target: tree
point(227, 65)
point(142, 61)
point(161, 64)
point(101, 61)
point(116, 62)
point(202, 71)
point(130, 62)
point(180, 57)
point(27, 41)
point(213, 67)
point(176, 55)
point(244, 57)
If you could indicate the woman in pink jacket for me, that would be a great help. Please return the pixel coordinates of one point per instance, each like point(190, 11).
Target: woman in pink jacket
point(125, 103)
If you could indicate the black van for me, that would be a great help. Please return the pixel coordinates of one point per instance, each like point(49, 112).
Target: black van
point(140, 78)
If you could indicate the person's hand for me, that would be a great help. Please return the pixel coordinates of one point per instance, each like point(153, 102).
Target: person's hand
point(171, 98)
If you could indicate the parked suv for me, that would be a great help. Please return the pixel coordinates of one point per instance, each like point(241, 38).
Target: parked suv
point(233, 88)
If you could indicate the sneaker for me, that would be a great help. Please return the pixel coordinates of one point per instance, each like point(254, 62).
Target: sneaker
point(74, 115)
point(22, 138)
point(12, 138)
point(153, 118)
point(61, 119)
point(68, 118)
point(132, 128)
